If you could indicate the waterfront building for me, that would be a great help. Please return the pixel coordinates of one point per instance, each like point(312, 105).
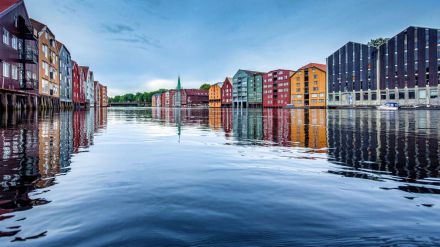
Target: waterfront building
point(215, 95)
point(308, 86)
point(76, 87)
point(276, 88)
point(65, 75)
point(162, 99)
point(156, 100)
point(227, 92)
point(97, 94)
point(83, 71)
point(194, 98)
point(352, 75)
point(169, 98)
point(49, 83)
point(247, 89)
point(104, 96)
point(409, 68)
point(18, 57)
point(90, 86)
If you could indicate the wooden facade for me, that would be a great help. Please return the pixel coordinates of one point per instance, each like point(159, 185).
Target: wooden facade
point(215, 95)
point(227, 92)
point(308, 86)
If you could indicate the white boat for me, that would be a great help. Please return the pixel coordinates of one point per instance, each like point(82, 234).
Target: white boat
point(389, 106)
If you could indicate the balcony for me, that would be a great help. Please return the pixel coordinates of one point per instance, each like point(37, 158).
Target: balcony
point(28, 56)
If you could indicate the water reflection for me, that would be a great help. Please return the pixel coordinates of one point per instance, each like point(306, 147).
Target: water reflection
point(34, 149)
point(367, 144)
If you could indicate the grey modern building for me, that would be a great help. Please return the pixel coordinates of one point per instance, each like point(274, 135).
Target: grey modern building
point(405, 69)
point(65, 73)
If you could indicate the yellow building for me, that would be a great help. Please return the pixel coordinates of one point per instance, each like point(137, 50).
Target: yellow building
point(215, 95)
point(307, 86)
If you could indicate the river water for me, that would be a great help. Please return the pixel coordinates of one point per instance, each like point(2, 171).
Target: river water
point(219, 177)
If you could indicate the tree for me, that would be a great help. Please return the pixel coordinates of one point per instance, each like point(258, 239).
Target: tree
point(378, 42)
point(205, 86)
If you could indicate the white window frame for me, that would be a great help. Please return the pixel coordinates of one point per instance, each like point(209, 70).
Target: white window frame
point(6, 70)
point(5, 36)
point(14, 42)
point(14, 72)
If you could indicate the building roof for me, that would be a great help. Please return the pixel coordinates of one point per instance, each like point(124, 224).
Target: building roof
point(319, 66)
point(37, 25)
point(6, 4)
point(252, 72)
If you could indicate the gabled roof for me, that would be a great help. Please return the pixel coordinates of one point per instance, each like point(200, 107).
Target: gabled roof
point(37, 25)
point(319, 66)
point(6, 4)
point(251, 72)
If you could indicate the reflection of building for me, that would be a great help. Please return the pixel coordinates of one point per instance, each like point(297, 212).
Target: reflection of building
point(227, 120)
point(379, 141)
point(276, 126)
point(49, 147)
point(215, 118)
point(276, 88)
point(66, 139)
point(215, 95)
point(308, 86)
point(308, 128)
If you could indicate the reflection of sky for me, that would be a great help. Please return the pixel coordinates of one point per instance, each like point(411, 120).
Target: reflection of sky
point(135, 44)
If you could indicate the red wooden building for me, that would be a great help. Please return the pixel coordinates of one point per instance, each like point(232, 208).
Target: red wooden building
point(76, 85)
point(227, 93)
point(18, 57)
point(162, 99)
point(276, 88)
point(194, 97)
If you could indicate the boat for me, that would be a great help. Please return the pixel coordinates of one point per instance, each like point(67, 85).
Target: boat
point(389, 106)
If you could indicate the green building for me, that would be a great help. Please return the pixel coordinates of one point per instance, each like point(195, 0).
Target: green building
point(247, 89)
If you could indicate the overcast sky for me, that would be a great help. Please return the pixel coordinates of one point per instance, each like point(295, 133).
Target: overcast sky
point(142, 45)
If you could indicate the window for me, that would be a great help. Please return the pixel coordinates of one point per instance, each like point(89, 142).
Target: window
point(14, 42)
point(365, 96)
point(298, 84)
point(321, 95)
point(315, 76)
point(422, 94)
point(45, 51)
point(433, 94)
point(315, 83)
point(14, 72)
point(6, 69)
point(401, 95)
point(411, 94)
point(5, 37)
point(383, 95)
point(45, 68)
point(392, 95)
point(314, 95)
point(315, 89)
point(358, 96)
point(373, 96)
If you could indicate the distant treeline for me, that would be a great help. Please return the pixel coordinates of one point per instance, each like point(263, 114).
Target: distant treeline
point(142, 98)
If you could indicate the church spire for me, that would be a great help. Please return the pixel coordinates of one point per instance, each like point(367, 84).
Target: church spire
point(178, 84)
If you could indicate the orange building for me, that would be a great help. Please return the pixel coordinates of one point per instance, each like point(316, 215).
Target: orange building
point(215, 95)
point(308, 86)
point(49, 81)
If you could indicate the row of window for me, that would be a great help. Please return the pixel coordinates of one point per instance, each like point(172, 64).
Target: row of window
point(401, 95)
point(8, 41)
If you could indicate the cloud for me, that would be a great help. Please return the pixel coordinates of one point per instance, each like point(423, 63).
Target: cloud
point(117, 29)
point(156, 84)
